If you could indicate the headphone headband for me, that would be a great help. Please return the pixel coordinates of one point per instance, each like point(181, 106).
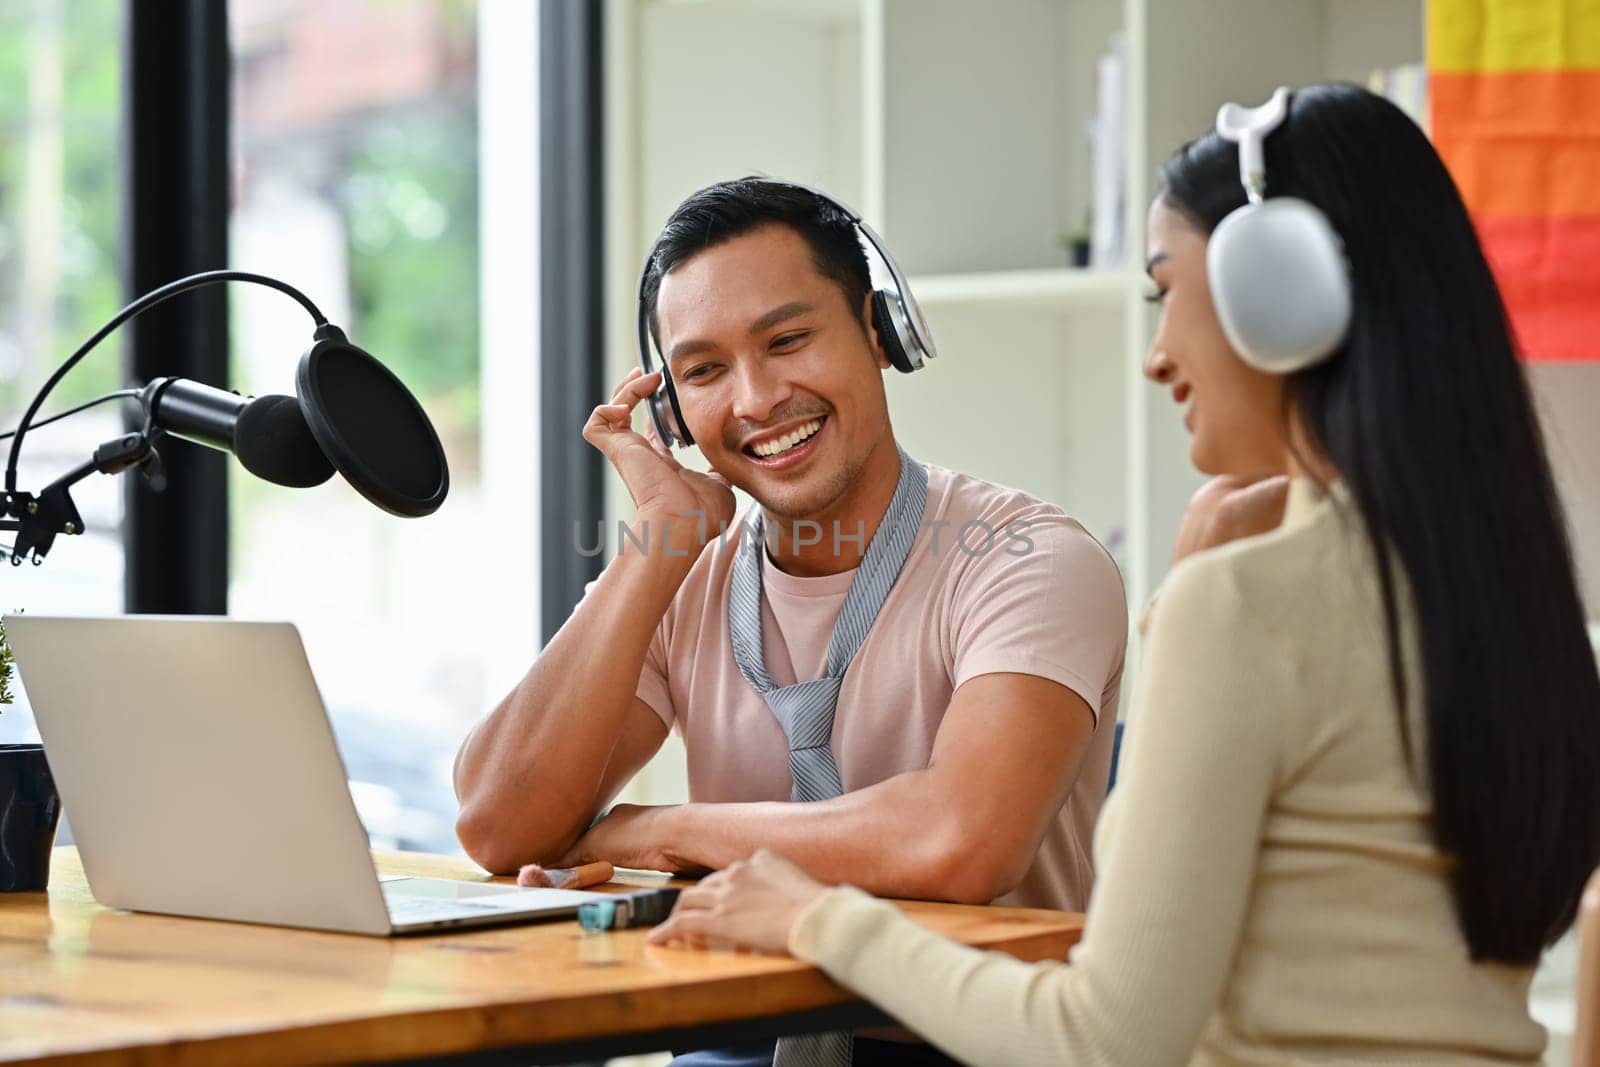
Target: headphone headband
point(924, 337)
point(1248, 128)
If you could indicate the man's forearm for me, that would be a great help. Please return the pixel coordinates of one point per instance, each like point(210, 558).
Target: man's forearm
point(528, 775)
point(967, 827)
point(899, 838)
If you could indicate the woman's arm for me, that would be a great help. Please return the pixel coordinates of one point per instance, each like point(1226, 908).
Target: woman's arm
point(1173, 886)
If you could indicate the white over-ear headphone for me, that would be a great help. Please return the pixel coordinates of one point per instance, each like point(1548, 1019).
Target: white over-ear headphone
point(1278, 273)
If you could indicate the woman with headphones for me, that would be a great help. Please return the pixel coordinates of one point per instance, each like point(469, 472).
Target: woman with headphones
point(1362, 787)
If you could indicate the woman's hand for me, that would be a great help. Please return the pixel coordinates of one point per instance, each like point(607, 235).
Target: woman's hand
point(752, 904)
point(1227, 508)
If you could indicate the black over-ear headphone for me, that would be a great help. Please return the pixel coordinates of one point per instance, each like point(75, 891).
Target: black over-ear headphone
point(895, 315)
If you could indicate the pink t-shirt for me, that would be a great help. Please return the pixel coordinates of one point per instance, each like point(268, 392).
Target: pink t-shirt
point(1044, 599)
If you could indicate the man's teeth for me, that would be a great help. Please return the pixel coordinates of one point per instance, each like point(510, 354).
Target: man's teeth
point(768, 449)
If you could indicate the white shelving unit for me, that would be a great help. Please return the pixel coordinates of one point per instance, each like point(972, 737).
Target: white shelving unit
point(959, 129)
point(1062, 288)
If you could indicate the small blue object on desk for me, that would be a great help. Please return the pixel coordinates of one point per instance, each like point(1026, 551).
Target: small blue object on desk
point(643, 907)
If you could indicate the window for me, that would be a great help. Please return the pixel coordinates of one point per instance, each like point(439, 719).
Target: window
point(60, 74)
point(356, 173)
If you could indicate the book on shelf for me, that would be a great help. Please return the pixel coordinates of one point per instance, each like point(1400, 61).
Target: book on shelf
point(1108, 158)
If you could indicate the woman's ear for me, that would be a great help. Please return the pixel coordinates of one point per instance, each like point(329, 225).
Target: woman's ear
point(869, 324)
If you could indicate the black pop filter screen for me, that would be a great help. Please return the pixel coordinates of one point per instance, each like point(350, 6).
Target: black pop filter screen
point(372, 428)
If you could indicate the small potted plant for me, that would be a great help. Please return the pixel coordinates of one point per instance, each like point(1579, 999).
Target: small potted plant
point(29, 805)
point(1076, 242)
point(5, 666)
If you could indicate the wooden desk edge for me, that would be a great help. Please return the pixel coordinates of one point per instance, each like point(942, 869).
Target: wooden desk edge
point(484, 1025)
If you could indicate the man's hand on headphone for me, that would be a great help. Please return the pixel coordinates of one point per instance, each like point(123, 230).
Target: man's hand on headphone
point(684, 508)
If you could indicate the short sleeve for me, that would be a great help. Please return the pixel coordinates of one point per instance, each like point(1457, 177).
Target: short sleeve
point(1045, 600)
point(653, 688)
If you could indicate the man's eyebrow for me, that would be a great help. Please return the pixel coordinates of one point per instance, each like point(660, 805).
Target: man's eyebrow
point(1150, 264)
point(689, 348)
point(781, 313)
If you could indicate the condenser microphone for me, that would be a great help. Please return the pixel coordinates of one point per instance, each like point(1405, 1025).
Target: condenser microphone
point(268, 434)
point(349, 413)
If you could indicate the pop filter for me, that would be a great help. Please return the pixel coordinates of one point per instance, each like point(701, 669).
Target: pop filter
point(371, 427)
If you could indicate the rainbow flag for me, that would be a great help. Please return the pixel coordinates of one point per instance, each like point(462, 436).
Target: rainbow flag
point(1515, 113)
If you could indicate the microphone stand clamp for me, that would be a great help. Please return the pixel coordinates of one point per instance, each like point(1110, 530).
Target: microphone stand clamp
point(38, 519)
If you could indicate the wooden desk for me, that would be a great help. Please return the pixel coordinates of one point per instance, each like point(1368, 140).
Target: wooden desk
point(85, 985)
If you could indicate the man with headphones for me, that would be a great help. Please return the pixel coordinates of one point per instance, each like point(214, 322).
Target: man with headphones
point(928, 663)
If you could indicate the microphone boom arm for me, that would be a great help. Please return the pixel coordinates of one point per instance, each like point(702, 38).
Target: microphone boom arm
point(38, 519)
point(393, 458)
point(138, 307)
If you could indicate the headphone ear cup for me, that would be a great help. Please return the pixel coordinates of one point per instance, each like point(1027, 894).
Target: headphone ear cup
point(1280, 284)
point(668, 417)
point(891, 333)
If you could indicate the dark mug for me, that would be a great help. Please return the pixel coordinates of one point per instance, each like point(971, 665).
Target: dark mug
point(29, 811)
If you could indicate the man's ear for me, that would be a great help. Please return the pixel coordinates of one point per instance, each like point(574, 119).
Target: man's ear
point(873, 339)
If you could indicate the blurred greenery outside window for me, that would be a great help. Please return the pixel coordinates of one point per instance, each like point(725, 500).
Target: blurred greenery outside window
point(59, 186)
point(355, 178)
point(60, 245)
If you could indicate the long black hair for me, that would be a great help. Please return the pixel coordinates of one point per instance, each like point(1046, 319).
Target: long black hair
point(1426, 413)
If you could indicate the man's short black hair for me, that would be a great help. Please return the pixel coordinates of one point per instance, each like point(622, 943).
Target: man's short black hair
point(732, 209)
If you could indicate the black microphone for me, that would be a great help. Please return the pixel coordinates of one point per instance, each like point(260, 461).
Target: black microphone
point(349, 413)
point(268, 434)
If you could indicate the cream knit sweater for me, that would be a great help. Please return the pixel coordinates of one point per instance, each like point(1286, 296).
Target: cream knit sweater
point(1268, 890)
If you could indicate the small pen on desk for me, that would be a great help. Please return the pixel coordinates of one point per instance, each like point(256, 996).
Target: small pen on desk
point(565, 877)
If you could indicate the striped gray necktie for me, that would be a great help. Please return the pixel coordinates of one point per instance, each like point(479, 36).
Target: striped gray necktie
point(805, 709)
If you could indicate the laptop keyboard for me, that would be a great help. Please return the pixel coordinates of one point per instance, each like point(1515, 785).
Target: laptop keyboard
point(407, 909)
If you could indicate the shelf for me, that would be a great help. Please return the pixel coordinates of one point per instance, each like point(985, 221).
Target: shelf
point(1064, 287)
point(833, 12)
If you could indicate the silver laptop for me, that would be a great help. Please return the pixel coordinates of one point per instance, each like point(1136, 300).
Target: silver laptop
point(196, 763)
